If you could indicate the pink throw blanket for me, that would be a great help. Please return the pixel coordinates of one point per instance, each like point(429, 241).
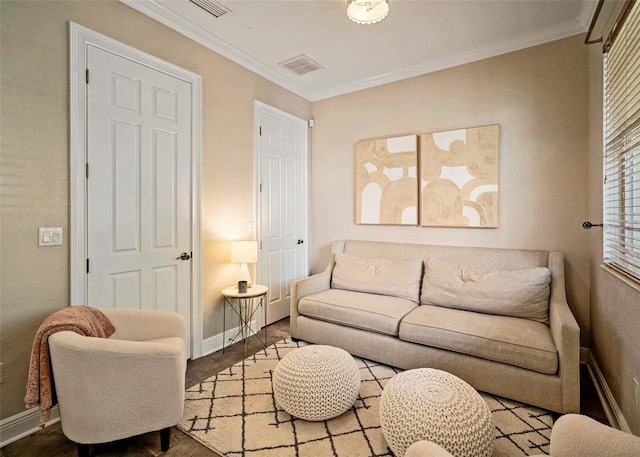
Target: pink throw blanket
point(84, 320)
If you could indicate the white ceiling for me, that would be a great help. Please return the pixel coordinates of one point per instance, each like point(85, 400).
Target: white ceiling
point(417, 37)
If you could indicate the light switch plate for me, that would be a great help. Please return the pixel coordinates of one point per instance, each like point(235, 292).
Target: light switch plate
point(50, 236)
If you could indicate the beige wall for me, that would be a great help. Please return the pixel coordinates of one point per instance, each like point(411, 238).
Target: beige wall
point(539, 98)
point(35, 159)
point(615, 305)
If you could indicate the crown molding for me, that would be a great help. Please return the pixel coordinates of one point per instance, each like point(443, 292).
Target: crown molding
point(553, 33)
point(176, 22)
point(172, 20)
point(586, 12)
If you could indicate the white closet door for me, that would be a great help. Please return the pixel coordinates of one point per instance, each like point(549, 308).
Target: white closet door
point(283, 207)
point(138, 186)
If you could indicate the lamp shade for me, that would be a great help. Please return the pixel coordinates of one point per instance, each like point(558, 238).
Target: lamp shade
point(367, 11)
point(244, 252)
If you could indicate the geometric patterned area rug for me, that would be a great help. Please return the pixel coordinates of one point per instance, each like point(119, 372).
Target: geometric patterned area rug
point(235, 414)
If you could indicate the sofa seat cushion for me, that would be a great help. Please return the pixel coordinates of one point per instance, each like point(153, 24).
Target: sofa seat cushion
point(515, 341)
point(377, 313)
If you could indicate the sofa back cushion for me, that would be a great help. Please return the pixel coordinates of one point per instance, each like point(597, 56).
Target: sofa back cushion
point(517, 293)
point(394, 277)
point(465, 256)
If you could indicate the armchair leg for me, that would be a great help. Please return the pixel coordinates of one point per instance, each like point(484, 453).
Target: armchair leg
point(84, 450)
point(165, 439)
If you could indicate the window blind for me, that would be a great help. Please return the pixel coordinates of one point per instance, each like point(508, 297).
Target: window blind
point(621, 190)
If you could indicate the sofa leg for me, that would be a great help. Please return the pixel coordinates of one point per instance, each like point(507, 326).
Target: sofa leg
point(84, 450)
point(165, 439)
point(295, 340)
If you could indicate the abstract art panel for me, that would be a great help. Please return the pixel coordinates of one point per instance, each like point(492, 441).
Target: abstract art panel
point(386, 182)
point(459, 178)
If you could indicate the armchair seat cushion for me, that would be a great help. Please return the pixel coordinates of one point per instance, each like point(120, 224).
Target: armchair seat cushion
point(519, 342)
point(365, 311)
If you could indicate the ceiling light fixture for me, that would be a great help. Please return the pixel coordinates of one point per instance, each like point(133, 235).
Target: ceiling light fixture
point(367, 11)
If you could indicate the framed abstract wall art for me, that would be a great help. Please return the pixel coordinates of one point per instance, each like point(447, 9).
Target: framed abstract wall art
point(459, 172)
point(386, 181)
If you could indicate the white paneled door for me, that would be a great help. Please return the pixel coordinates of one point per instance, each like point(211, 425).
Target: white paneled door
point(283, 205)
point(138, 186)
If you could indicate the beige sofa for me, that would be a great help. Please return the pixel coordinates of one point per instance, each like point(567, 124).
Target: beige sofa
point(497, 318)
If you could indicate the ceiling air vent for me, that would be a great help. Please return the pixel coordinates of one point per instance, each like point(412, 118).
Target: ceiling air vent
point(300, 65)
point(214, 8)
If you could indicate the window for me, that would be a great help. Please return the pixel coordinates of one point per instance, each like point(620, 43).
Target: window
point(621, 199)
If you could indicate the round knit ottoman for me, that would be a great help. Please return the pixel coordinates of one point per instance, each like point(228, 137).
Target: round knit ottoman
point(316, 382)
point(428, 404)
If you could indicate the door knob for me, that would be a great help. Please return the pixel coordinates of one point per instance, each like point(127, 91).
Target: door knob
point(183, 256)
point(300, 241)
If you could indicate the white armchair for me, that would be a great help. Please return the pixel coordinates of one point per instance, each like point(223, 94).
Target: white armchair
point(572, 435)
point(122, 386)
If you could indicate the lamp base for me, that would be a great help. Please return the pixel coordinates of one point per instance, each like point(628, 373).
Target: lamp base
point(245, 275)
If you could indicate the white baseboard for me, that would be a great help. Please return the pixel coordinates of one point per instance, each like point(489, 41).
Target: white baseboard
point(584, 355)
point(24, 424)
point(214, 343)
point(609, 404)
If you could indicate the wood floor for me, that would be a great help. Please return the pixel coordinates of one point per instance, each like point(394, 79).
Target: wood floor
point(51, 442)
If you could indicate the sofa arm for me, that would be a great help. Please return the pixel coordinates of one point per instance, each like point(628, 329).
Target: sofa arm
point(566, 336)
point(307, 286)
point(574, 435)
point(145, 324)
point(109, 389)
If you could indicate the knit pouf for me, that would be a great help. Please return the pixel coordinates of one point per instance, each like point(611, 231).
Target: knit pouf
point(316, 382)
point(428, 404)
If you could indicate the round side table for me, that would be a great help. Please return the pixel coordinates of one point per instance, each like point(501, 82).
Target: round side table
point(244, 305)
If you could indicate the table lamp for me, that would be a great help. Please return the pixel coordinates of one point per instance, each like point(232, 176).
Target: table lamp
point(244, 252)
